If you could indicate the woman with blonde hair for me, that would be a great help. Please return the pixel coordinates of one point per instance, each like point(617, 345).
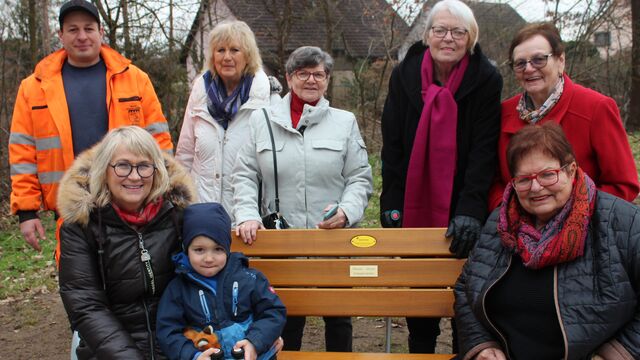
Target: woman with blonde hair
point(222, 99)
point(121, 202)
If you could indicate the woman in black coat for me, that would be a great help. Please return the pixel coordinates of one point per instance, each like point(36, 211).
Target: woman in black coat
point(556, 271)
point(121, 202)
point(440, 128)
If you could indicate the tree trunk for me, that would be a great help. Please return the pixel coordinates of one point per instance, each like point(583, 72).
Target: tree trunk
point(633, 121)
point(46, 30)
point(33, 32)
point(128, 51)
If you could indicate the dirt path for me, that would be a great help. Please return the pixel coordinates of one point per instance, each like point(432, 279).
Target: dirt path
point(37, 328)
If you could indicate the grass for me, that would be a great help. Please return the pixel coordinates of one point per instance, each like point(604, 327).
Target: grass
point(24, 270)
point(372, 213)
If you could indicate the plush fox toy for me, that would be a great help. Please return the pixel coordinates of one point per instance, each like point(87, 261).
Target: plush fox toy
point(203, 340)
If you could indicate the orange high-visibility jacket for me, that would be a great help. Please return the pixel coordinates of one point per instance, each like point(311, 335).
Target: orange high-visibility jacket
point(40, 143)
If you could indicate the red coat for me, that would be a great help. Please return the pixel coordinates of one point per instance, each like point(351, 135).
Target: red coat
point(591, 122)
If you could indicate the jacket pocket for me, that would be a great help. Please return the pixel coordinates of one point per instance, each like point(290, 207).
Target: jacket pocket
point(328, 144)
point(329, 156)
point(128, 109)
point(262, 146)
point(129, 99)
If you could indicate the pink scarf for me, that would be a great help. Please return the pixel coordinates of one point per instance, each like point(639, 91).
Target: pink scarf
point(432, 165)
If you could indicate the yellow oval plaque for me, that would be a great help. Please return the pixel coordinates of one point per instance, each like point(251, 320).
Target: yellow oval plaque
point(363, 241)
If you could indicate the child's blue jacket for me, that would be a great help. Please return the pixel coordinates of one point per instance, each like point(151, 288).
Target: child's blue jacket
point(189, 301)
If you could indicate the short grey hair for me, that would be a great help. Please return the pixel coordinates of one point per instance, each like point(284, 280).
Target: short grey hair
point(138, 141)
point(460, 11)
point(308, 56)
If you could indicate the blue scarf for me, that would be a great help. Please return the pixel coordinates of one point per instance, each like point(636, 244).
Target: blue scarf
point(222, 107)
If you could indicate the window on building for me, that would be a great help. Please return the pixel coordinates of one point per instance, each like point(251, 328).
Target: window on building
point(602, 39)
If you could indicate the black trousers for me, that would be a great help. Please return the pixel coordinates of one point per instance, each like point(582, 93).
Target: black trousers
point(337, 333)
point(423, 333)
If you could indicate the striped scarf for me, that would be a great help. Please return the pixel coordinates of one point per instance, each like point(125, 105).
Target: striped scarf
point(222, 107)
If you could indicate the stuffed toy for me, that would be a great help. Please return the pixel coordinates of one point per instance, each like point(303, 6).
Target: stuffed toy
point(202, 340)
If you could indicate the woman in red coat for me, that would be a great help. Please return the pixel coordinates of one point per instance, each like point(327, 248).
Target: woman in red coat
point(590, 120)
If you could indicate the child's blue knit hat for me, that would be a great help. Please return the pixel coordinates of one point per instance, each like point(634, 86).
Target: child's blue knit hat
point(207, 219)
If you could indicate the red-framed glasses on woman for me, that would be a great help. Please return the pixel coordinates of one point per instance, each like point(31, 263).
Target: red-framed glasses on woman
point(545, 177)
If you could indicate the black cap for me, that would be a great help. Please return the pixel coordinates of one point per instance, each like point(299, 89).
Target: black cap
point(75, 5)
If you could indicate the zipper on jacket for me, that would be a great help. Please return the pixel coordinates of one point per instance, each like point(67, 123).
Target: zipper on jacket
point(149, 332)
point(234, 296)
point(205, 307)
point(129, 99)
point(557, 304)
point(111, 86)
point(145, 258)
point(484, 309)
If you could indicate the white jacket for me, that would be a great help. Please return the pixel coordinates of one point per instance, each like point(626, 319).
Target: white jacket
point(207, 150)
point(326, 165)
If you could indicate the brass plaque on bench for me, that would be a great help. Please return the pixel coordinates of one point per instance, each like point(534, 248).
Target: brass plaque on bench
point(363, 270)
point(363, 241)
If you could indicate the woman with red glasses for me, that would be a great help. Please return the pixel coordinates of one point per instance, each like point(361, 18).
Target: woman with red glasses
point(590, 120)
point(556, 271)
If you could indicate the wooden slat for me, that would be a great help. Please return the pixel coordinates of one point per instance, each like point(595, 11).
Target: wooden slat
point(368, 302)
point(338, 242)
point(336, 272)
point(294, 355)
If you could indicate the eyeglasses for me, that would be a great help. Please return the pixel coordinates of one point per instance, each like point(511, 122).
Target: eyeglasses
point(544, 178)
point(538, 62)
point(441, 32)
point(124, 169)
point(305, 75)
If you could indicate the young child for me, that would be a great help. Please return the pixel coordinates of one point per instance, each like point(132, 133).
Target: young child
point(217, 288)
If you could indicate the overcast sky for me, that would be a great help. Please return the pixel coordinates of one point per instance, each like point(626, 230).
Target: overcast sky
point(530, 10)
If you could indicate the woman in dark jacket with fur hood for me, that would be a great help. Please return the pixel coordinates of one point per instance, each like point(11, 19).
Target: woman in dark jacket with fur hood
point(121, 202)
point(556, 272)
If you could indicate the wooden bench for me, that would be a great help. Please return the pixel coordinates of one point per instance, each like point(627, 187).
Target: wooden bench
point(389, 273)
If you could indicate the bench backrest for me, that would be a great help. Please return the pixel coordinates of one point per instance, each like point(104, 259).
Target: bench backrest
point(358, 272)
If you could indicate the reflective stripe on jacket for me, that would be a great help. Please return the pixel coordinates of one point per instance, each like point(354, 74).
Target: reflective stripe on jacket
point(40, 143)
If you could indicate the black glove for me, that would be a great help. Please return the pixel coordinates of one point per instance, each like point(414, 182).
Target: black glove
point(391, 219)
point(465, 231)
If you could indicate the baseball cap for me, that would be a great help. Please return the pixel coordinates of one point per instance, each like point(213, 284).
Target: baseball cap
point(75, 5)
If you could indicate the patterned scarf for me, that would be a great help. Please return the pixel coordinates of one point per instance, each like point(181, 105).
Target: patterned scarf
point(527, 110)
point(222, 107)
point(562, 238)
point(141, 218)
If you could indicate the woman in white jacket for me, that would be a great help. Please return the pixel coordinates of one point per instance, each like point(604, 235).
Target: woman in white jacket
point(322, 162)
point(217, 116)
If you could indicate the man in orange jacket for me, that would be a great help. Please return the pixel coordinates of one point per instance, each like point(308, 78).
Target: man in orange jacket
point(74, 97)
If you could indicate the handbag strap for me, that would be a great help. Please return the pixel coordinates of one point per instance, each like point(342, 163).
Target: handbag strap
point(275, 160)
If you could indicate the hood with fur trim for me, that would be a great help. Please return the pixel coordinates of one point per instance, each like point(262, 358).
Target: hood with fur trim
point(75, 201)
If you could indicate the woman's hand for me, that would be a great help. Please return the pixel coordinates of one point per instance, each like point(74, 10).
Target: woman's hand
point(339, 220)
point(248, 230)
point(249, 349)
point(597, 357)
point(206, 355)
point(491, 354)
